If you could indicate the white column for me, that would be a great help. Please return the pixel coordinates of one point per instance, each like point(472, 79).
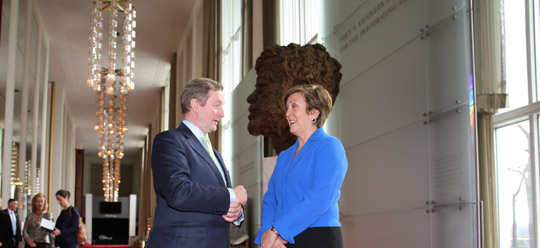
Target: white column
point(88, 216)
point(10, 97)
point(57, 164)
point(44, 160)
point(24, 100)
point(24, 109)
point(35, 122)
point(132, 214)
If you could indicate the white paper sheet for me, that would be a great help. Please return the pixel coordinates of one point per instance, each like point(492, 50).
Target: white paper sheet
point(47, 224)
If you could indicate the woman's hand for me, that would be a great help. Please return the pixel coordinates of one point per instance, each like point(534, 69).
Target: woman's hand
point(280, 243)
point(30, 242)
point(272, 240)
point(56, 232)
point(283, 242)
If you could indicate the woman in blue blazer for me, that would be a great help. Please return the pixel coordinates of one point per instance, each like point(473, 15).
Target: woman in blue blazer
point(300, 208)
point(67, 223)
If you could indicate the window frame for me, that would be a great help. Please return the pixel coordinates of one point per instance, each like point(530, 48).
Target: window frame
point(531, 111)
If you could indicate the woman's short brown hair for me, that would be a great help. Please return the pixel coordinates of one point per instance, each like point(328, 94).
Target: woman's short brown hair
point(316, 97)
point(34, 200)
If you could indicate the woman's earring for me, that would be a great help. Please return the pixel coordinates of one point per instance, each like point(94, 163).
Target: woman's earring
point(314, 120)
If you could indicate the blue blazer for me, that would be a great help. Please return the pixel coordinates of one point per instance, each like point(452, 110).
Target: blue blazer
point(190, 193)
point(303, 192)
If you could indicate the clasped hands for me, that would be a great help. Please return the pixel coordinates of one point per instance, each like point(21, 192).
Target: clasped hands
point(235, 208)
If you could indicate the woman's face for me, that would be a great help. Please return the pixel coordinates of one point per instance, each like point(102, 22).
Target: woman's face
point(299, 120)
point(61, 200)
point(40, 202)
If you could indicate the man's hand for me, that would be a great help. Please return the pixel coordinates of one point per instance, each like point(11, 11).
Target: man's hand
point(234, 212)
point(241, 194)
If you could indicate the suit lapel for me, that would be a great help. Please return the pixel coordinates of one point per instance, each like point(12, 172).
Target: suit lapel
point(6, 211)
point(198, 147)
point(222, 164)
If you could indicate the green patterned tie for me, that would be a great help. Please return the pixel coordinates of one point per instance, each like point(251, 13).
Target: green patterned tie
point(210, 151)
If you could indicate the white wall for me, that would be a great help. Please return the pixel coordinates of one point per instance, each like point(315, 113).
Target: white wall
point(402, 59)
point(247, 153)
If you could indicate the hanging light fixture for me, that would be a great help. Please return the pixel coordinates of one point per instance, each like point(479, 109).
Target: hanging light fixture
point(111, 85)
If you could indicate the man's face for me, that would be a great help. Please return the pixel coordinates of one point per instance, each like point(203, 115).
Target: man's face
point(208, 116)
point(13, 205)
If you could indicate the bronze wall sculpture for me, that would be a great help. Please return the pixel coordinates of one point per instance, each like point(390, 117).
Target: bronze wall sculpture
point(278, 69)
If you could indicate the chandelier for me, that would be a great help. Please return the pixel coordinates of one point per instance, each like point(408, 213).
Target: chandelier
point(111, 84)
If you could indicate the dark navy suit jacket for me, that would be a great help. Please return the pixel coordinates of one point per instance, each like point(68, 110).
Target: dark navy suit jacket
point(6, 230)
point(190, 193)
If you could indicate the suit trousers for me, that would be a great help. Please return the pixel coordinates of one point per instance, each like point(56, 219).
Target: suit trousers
point(12, 243)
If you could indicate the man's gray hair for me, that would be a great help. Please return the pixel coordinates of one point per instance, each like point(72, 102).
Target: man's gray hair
point(198, 89)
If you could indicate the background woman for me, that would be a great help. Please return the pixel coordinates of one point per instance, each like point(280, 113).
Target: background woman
point(300, 208)
point(67, 223)
point(34, 235)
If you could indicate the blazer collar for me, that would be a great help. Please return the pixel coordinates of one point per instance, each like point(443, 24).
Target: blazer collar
point(314, 137)
point(194, 142)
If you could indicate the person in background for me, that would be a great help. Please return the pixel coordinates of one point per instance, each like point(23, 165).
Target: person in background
point(300, 208)
point(35, 235)
point(10, 235)
point(67, 223)
point(195, 202)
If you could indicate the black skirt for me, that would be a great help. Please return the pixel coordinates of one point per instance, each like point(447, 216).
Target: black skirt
point(314, 237)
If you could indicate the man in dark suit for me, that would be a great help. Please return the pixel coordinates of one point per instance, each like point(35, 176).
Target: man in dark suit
point(10, 231)
point(195, 201)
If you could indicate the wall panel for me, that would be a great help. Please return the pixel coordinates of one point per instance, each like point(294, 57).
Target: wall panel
point(405, 114)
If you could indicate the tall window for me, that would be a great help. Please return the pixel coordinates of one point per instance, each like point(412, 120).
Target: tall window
point(231, 66)
point(299, 21)
point(517, 128)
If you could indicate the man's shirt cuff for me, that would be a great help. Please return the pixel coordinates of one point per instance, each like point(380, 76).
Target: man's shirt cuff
point(232, 195)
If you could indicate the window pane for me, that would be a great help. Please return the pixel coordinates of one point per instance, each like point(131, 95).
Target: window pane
point(226, 22)
point(516, 53)
point(236, 15)
point(537, 42)
point(514, 186)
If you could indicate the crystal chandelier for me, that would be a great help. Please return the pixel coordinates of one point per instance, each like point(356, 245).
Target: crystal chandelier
point(111, 85)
